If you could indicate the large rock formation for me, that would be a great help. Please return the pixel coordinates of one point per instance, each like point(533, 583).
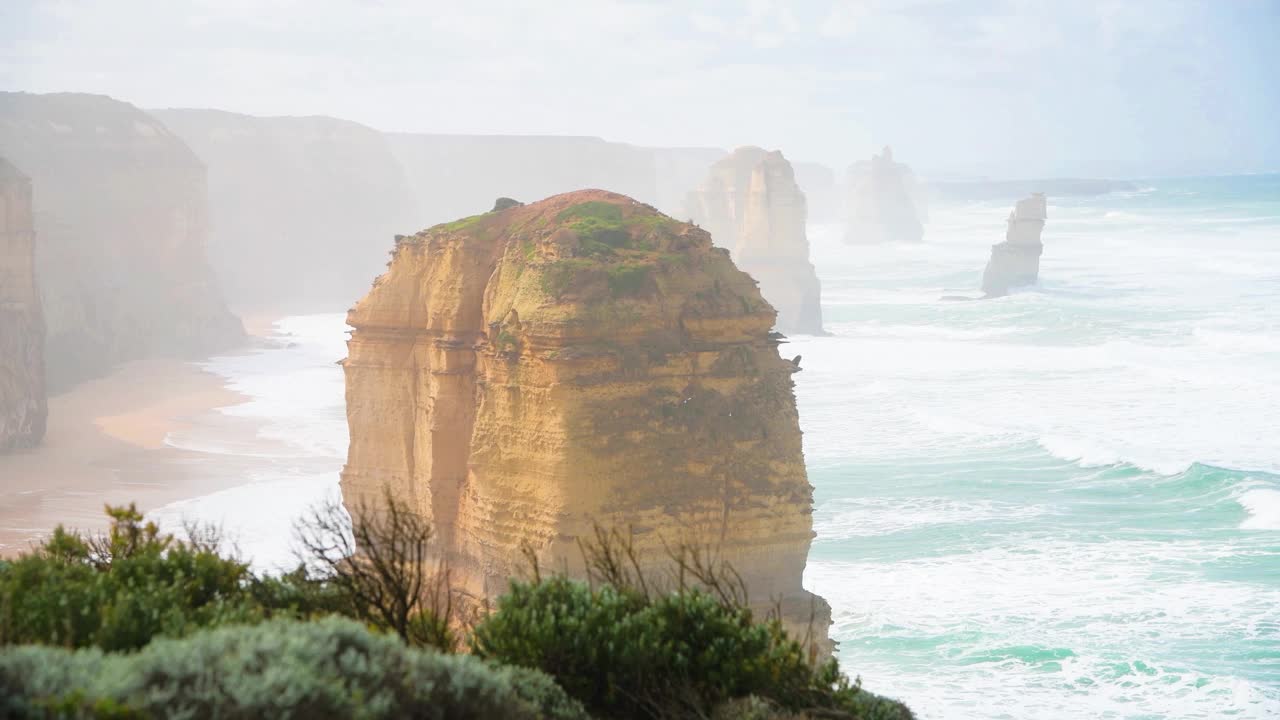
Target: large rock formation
point(299, 206)
point(884, 202)
point(120, 210)
point(751, 204)
point(23, 409)
point(1016, 261)
point(519, 375)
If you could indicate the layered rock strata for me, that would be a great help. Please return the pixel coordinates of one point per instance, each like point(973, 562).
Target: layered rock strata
point(23, 409)
point(1016, 261)
point(523, 375)
point(121, 212)
point(299, 206)
point(885, 204)
point(751, 204)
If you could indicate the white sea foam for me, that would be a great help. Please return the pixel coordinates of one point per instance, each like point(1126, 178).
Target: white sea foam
point(868, 517)
point(1263, 506)
point(256, 520)
point(1080, 629)
point(295, 398)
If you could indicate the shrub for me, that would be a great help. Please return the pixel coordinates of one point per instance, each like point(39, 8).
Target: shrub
point(119, 591)
point(637, 644)
point(680, 654)
point(380, 567)
point(280, 669)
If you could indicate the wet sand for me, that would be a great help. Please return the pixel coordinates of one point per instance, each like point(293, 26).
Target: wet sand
point(106, 445)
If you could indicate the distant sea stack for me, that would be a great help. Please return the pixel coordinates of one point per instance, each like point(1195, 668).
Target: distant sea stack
point(751, 204)
point(521, 375)
point(884, 202)
point(299, 206)
point(23, 409)
point(121, 212)
point(1016, 261)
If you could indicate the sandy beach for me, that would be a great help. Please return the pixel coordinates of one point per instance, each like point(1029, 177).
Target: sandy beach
point(106, 445)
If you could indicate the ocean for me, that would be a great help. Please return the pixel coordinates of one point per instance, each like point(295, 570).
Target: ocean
point(1064, 503)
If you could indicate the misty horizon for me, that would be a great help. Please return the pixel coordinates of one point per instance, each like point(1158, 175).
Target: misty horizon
point(997, 90)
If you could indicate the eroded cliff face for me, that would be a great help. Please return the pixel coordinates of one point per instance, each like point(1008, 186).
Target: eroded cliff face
point(299, 206)
point(1016, 261)
point(120, 210)
point(751, 204)
point(23, 410)
point(520, 375)
point(885, 204)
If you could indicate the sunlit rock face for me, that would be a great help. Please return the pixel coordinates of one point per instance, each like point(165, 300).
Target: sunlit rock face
point(23, 409)
point(751, 204)
point(300, 207)
point(885, 204)
point(1016, 261)
point(522, 375)
point(120, 211)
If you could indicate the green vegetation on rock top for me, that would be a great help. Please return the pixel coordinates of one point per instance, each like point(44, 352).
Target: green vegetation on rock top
point(461, 224)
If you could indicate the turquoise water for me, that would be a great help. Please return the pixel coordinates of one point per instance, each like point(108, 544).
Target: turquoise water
point(1060, 504)
point(1064, 503)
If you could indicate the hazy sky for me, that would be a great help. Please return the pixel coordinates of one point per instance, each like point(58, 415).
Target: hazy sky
point(1008, 88)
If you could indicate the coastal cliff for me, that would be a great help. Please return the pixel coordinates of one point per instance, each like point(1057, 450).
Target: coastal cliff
point(23, 409)
point(1016, 261)
point(522, 375)
point(120, 210)
point(453, 174)
point(885, 204)
point(751, 204)
point(298, 206)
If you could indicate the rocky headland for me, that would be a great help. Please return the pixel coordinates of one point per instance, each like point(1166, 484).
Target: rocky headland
point(1016, 261)
point(121, 212)
point(751, 204)
point(23, 406)
point(885, 204)
point(522, 376)
point(299, 207)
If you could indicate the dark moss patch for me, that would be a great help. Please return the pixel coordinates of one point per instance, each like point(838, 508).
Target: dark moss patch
point(627, 278)
point(559, 276)
point(599, 225)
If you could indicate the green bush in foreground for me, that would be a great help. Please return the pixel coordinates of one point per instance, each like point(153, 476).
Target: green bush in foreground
point(330, 668)
point(622, 648)
point(628, 654)
point(119, 591)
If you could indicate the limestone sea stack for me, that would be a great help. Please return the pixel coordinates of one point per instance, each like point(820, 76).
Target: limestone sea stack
point(1016, 261)
point(522, 375)
point(23, 409)
point(751, 204)
point(884, 202)
point(120, 210)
